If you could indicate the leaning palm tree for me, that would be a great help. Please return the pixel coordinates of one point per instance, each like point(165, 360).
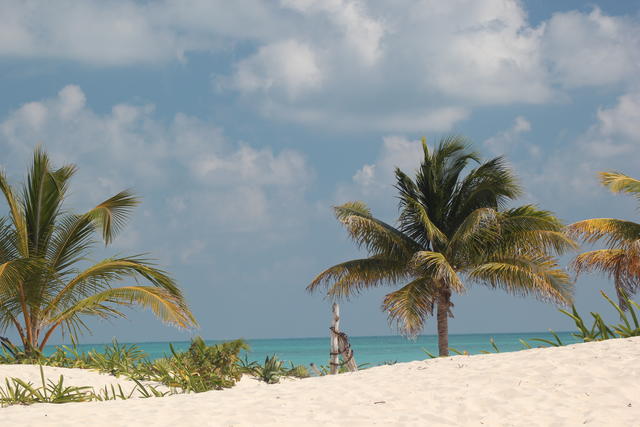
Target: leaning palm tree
point(453, 229)
point(46, 281)
point(621, 258)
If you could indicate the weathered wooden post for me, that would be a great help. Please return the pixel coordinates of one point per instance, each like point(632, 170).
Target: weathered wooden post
point(334, 361)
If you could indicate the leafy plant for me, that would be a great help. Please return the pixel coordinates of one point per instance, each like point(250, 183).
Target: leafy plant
point(599, 330)
point(297, 371)
point(494, 345)
point(17, 391)
point(111, 393)
point(201, 368)
point(117, 359)
point(271, 371)
point(45, 288)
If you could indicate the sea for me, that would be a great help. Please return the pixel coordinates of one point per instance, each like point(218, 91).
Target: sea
point(368, 351)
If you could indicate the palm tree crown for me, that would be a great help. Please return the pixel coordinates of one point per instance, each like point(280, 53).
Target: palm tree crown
point(452, 228)
point(621, 258)
point(42, 288)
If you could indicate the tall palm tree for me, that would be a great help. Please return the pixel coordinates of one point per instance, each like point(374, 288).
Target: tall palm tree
point(46, 281)
point(621, 258)
point(453, 228)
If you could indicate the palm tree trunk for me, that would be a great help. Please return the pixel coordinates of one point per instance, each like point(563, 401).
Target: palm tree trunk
point(443, 322)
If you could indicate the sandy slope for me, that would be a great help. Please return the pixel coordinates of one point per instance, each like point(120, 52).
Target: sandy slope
point(594, 384)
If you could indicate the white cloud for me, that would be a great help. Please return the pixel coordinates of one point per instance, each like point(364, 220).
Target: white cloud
point(432, 120)
point(362, 33)
point(374, 182)
point(416, 65)
point(186, 164)
point(592, 49)
point(288, 65)
point(480, 52)
point(129, 32)
point(623, 120)
point(503, 141)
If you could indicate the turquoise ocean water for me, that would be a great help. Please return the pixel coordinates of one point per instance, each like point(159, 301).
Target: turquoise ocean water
point(370, 350)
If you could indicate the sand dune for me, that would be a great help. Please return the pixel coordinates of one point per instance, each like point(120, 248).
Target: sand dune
point(583, 384)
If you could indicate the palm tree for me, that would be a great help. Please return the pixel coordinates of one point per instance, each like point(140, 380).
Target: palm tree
point(452, 228)
point(42, 247)
point(621, 259)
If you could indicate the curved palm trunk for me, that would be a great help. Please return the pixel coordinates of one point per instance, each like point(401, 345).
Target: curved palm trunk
point(444, 301)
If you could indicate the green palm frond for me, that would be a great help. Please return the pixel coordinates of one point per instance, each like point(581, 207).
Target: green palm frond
point(415, 221)
point(165, 305)
point(538, 276)
point(620, 183)
point(17, 215)
point(351, 277)
point(621, 260)
point(410, 305)
point(615, 232)
point(70, 242)
point(478, 228)
point(9, 246)
point(492, 184)
point(43, 195)
point(376, 236)
point(530, 229)
point(435, 266)
point(112, 214)
point(622, 265)
point(98, 276)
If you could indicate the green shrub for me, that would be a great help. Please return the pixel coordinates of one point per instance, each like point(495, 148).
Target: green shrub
point(117, 359)
point(201, 368)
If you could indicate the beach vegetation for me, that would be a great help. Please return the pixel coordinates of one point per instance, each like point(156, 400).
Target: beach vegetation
point(271, 371)
point(201, 368)
point(455, 228)
point(17, 391)
point(47, 283)
point(620, 259)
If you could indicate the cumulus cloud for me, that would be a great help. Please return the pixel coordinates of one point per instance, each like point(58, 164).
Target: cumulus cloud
point(287, 65)
point(127, 32)
point(416, 65)
point(592, 49)
point(374, 182)
point(362, 33)
point(503, 141)
point(187, 165)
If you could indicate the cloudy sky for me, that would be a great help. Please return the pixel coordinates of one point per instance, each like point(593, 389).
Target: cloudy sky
point(241, 123)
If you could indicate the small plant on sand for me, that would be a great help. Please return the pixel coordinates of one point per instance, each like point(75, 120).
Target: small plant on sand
point(117, 359)
point(201, 368)
point(17, 391)
point(274, 369)
point(271, 371)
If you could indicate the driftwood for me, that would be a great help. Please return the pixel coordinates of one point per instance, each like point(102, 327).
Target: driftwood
point(340, 345)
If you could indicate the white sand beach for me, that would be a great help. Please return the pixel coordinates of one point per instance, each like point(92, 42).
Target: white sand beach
point(583, 384)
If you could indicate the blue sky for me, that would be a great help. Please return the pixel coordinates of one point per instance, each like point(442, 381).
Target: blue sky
point(241, 124)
